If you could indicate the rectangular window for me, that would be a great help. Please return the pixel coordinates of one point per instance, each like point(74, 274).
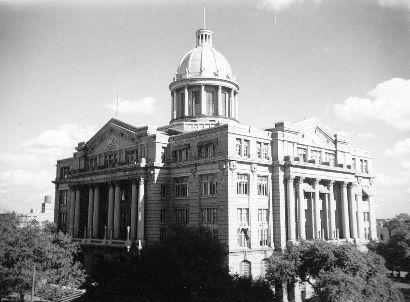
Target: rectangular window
point(63, 197)
point(263, 237)
point(131, 156)
point(164, 191)
point(162, 233)
point(210, 103)
point(209, 184)
point(181, 155)
point(316, 155)
point(366, 166)
point(263, 216)
point(354, 164)
point(181, 187)
point(62, 222)
point(263, 185)
point(182, 216)
point(239, 146)
point(209, 216)
point(206, 151)
point(64, 172)
point(163, 152)
point(361, 166)
point(163, 216)
point(265, 148)
point(366, 216)
point(330, 158)
point(242, 184)
point(223, 104)
point(302, 154)
point(259, 149)
point(367, 233)
point(243, 216)
point(246, 148)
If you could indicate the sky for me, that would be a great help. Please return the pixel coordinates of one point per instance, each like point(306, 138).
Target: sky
point(62, 64)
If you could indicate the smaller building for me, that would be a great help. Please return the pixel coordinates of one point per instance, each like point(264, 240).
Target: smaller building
point(45, 214)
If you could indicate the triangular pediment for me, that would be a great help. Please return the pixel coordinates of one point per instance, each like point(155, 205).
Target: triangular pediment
point(114, 135)
point(317, 134)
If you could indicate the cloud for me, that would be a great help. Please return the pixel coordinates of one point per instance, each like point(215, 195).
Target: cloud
point(364, 135)
point(395, 3)
point(389, 102)
point(400, 148)
point(143, 106)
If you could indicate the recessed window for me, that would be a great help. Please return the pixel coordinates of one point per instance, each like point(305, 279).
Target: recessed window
point(181, 187)
point(209, 184)
point(182, 216)
point(245, 268)
point(209, 216)
point(63, 197)
point(242, 184)
point(263, 185)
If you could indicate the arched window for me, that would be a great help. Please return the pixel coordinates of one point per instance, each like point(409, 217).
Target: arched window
point(245, 268)
point(264, 267)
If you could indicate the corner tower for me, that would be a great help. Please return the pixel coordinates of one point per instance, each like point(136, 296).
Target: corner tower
point(204, 92)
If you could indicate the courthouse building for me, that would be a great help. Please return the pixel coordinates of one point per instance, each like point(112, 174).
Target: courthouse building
point(255, 189)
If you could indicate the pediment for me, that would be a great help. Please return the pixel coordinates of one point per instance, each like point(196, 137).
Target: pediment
point(112, 136)
point(317, 134)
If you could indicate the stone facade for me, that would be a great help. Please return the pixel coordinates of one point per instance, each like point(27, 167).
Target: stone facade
point(255, 189)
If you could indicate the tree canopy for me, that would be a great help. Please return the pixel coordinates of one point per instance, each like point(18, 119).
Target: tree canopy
point(187, 265)
point(24, 246)
point(336, 272)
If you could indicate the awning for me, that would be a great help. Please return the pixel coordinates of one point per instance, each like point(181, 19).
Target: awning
point(323, 189)
point(308, 188)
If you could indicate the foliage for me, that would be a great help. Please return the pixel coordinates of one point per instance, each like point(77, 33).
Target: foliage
point(336, 272)
point(396, 251)
point(187, 265)
point(24, 246)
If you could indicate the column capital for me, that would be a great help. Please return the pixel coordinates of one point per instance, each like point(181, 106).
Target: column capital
point(142, 180)
point(289, 177)
point(344, 184)
point(316, 181)
point(331, 183)
point(300, 179)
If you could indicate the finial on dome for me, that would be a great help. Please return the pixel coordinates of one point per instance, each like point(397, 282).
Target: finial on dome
point(204, 15)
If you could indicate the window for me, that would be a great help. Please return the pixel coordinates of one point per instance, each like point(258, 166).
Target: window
point(263, 237)
point(366, 216)
point(196, 103)
point(162, 233)
point(63, 197)
point(381, 237)
point(163, 216)
point(206, 151)
point(245, 268)
point(366, 166)
point(367, 233)
point(354, 164)
point(263, 216)
point(164, 191)
point(209, 185)
point(330, 158)
point(263, 185)
point(181, 187)
point(242, 184)
point(243, 216)
point(316, 155)
point(209, 216)
point(163, 152)
point(302, 154)
point(259, 149)
point(181, 155)
point(265, 148)
point(239, 147)
point(210, 103)
point(246, 148)
point(131, 156)
point(264, 267)
point(182, 216)
point(92, 162)
point(64, 172)
point(62, 222)
point(224, 96)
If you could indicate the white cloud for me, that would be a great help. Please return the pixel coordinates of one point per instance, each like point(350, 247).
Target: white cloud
point(364, 135)
point(38, 180)
point(400, 148)
point(143, 106)
point(389, 101)
point(405, 163)
point(395, 3)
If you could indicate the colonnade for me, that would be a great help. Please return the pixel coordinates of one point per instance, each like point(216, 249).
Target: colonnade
point(228, 109)
point(322, 211)
point(112, 227)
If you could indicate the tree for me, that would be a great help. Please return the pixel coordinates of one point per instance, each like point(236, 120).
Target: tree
point(336, 272)
point(24, 246)
point(187, 265)
point(396, 251)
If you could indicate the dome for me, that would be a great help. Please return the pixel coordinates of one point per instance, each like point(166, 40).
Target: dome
point(204, 60)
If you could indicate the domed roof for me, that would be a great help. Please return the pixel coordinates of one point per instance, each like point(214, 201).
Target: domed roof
point(204, 60)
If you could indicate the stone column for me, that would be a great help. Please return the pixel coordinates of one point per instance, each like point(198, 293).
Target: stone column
point(133, 209)
point(360, 226)
point(291, 209)
point(174, 104)
point(117, 200)
point(96, 214)
point(227, 106)
point(186, 113)
point(326, 215)
point(352, 211)
point(219, 101)
point(72, 210)
point(141, 210)
point(110, 209)
point(317, 208)
point(231, 98)
point(302, 208)
point(90, 210)
point(236, 107)
point(77, 213)
point(372, 219)
point(203, 100)
point(332, 212)
point(345, 213)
